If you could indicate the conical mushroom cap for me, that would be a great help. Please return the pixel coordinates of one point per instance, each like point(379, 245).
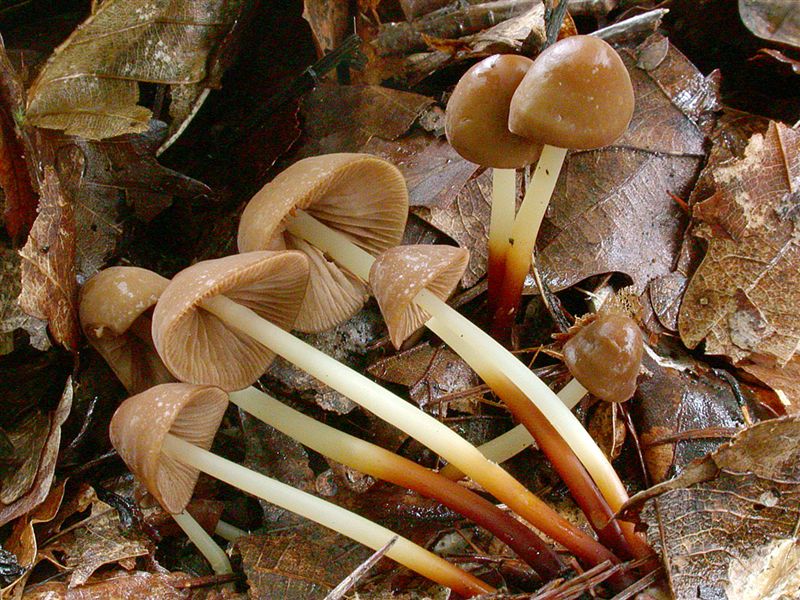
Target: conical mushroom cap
point(577, 94)
point(400, 273)
point(476, 121)
point(358, 195)
point(605, 356)
point(190, 412)
point(198, 347)
point(113, 312)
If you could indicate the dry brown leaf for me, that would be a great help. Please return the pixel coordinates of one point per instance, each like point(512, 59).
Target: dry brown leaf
point(431, 374)
point(329, 20)
point(116, 585)
point(49, 285)
point(773, 20)
point(44, 461)
point(728, 523)
point(783, 380)
point(744, 300)
point(89, 86)
point(11, 315)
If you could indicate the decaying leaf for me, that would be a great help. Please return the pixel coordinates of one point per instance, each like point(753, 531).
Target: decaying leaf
point(11, 315)
point(329, 21)
point(728, 523)
point(742, 299)
point(783, 380)
point(773, 20)
point(432, 374)
point(120, 585)
point(49, 285)
point(89, 86)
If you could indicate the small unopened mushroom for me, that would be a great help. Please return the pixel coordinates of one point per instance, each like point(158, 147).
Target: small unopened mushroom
point(115, 306)
point(476, 125)
point(206, 302)
point(163, 435)
point(577, 94)
point(605, 355)
point(361, 196)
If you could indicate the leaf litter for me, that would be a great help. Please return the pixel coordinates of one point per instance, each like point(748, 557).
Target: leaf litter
point(650, 211)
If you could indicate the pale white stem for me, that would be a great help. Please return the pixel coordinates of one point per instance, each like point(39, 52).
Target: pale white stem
point(205, 544)
point(491, 360)
point(315, 509)
point(517, 439)
point(504, 194)
point(534, 205)
point(229, 532)
point(484, 354)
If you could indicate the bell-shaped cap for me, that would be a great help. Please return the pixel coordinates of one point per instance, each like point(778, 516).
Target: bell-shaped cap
point(196, 346)
point(577, 94)
point(605, 356)
point(360, 196)
point(192, 413)
point(114, 314)
point(476, 120)
point(400, 273)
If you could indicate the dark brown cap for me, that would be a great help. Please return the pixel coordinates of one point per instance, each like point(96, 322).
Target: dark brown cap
point(476, 121)
point(577, 94)
point(190, 412)
point(605, 356)
point(400, 273)
point(359, 195)
point(114, 314)
point(198, 347)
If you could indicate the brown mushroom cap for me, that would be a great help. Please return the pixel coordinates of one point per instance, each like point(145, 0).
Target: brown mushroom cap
point(361, 196)
point(198, 347)
point(605, 355)
point(476, 121)
point(190, 412)
point(400, 273)
point(577, 94)
point(113, 311)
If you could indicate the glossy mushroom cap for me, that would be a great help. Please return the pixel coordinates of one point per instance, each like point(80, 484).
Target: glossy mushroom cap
point(113, 311)
point(198, 347)
point(476, 121)
point(400, 273)
point(190, 412)
point(577, 94)
point(361, 196)
point(605, 355)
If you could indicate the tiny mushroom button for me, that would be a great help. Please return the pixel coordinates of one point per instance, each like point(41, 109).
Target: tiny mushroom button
point(358, 195)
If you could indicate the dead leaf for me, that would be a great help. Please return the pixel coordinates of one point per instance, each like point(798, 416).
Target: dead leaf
point(329, 20)
point(12, 316)
point(119, 585)
point(784, 380)
point(773, 20)
point(742, 300)
point(727, 520)
point(432, 374)
point(298, 565)
point(89, 86)
point(36, 491)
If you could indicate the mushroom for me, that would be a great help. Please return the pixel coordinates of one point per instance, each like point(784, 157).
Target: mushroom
point(577, 94)
point(476, 124)
point(403, 273)
point(199, 305)
point(509, 378)
point(163, 435)
point(114, 311)
point(360, 196)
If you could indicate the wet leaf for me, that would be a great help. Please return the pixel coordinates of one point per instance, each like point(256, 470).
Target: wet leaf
point(432, 376)
point(773, 20)
point(49, 286)
point(35, 491)
point(120, 585)
point(89, 86)
point(728, 522)
point(743, 300)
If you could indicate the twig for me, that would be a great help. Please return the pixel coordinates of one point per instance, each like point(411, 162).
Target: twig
point(643, 23)
point(553, 17)
point(348, 582)
point(737, 393)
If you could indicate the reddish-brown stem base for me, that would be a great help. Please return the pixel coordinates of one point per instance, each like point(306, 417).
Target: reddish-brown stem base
point(506, 304)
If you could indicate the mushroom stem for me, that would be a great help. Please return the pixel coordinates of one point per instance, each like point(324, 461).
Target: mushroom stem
point(327, 514)
point(382, 464)
point(515, 440)
point(205, 544)
point(419, 425)
point(504, 193)
point(229, 532)
point(484, 354)
point(523, 238)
